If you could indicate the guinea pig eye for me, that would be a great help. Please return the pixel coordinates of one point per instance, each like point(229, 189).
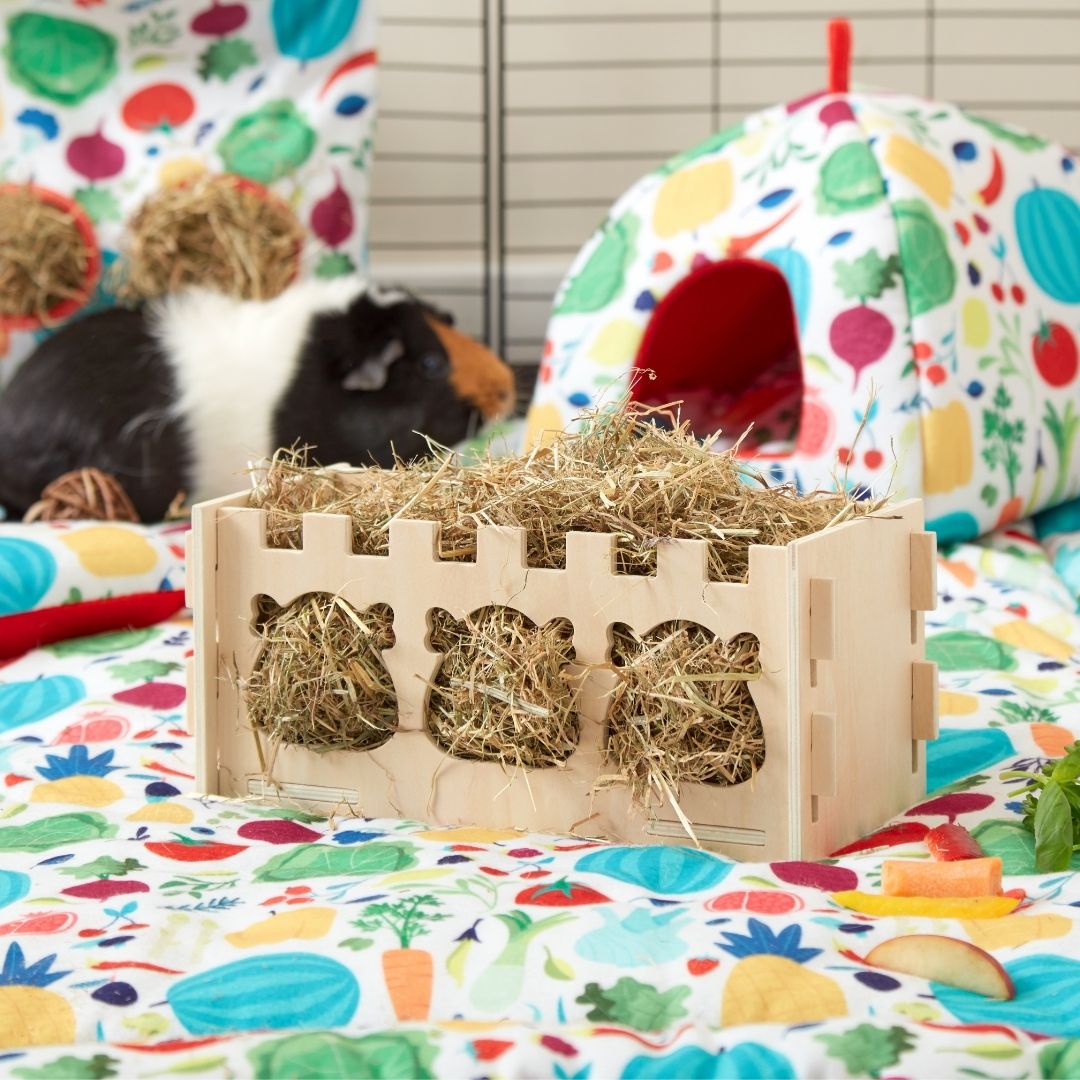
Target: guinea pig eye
point(433, 364)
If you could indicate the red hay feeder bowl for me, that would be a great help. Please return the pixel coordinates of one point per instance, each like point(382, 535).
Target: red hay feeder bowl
point(68, 306)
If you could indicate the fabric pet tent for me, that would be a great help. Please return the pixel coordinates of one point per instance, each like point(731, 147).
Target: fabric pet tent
point(782, 267)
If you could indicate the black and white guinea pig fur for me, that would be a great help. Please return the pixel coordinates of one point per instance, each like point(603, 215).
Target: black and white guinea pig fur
point(181, 394)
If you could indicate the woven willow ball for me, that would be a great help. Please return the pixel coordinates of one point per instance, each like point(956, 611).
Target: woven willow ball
point(81, 495)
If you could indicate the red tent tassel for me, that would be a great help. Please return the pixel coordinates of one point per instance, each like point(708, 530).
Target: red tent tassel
point(839, 56)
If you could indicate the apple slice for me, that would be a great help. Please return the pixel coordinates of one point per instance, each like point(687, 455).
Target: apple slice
point(945, 960)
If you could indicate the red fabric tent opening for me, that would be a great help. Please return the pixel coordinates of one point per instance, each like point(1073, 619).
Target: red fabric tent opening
point(726, 341)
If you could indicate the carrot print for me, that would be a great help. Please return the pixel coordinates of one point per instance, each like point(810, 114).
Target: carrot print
point(1052, 739)
point(1011, 511)
point(409, 973)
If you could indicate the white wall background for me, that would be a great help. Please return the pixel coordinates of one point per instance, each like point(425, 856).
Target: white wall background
point(507, 127)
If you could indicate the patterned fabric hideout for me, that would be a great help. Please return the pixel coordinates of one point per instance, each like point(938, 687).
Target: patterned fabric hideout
point(930, 252)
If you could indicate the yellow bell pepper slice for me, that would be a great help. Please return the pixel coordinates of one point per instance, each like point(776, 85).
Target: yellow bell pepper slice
point(975, 907)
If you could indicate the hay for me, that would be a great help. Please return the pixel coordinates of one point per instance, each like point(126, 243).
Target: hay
point(682, 711)
point(319, 680)
point(622, 475)
point(214, 232)
point(502, 693)
point(43, 256)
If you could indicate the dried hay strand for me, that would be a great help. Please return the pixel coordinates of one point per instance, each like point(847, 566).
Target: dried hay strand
point(502, 692)
point(44, 258)
point(682, 711)
point(622, 475)
point(370, 497)
point(319, 680)
point(215, 231)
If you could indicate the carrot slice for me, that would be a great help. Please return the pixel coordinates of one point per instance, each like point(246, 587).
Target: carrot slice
point(969, 877)
point(951, 843)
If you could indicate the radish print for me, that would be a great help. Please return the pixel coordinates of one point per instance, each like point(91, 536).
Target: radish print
point(218, 20)
point(860, 336)
point(153, 695)
point(837, 111)
point(332, 216)
point(94, 157)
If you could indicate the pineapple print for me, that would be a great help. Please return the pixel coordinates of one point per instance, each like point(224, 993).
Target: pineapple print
point(78, 778)
point(769, 984)
point(30, 1015)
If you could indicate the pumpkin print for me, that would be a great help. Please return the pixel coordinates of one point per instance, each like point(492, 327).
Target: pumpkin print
point(28, 702)
point(245, 994)
point(659, 869)
point(1048, 229)
point(27, 571)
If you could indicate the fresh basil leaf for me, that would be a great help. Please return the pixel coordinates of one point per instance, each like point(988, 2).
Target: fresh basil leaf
point(1066, 770)
point(1071, 759)
point(1053, 831)
point(1072, 793)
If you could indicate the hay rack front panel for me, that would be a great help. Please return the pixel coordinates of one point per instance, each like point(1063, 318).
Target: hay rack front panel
point(846, 698)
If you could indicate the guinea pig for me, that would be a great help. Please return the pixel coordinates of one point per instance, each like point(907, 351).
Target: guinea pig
point(180, 394)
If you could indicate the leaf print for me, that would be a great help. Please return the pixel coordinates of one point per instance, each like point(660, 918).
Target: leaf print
point(965, 650)
point(406, 919)
point(98, 1067)
point(867, 1049)
point(866, 277)
point(59, 59)
point(224, 58)
point(316, 860)
point(635, 1004)
point(380, 1055)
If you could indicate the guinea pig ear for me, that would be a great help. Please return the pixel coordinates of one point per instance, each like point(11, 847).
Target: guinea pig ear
point(444, 317)
point(372, 372)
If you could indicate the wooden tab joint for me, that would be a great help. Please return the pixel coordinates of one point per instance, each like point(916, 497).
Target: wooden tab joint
point(924, 700)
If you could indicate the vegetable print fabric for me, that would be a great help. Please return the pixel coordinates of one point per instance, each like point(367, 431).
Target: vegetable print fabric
point(929, 253)
point(46, 564)
point(145, 931)
point(105, 103)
